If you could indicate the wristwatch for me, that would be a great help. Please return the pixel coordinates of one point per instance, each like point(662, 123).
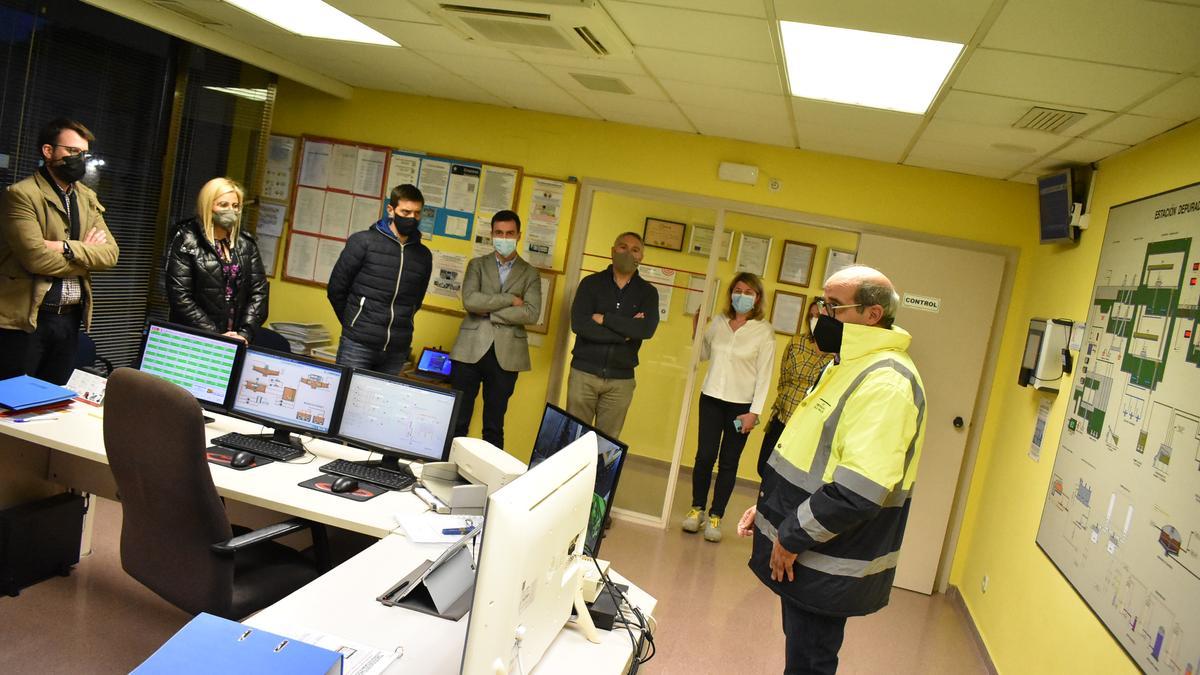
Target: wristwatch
point(67, 252)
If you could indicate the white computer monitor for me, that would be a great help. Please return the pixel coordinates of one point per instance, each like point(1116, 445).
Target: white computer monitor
point(530, 562)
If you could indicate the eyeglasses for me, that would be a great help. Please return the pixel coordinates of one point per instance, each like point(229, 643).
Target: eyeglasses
point(827, 308)
point(73, 151)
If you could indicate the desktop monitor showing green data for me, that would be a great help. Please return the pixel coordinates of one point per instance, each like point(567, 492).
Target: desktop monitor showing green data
point(200, 362)
point(398, 418)
point(288, 392)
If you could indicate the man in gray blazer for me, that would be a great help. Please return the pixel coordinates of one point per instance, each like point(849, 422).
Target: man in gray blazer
point(502, 294)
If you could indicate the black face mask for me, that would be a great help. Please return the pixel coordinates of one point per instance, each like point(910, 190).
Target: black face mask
point(828, 334)
point(406, 227)
point(72, 168)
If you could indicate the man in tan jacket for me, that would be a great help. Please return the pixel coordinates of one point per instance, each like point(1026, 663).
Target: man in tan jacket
point(52, 237)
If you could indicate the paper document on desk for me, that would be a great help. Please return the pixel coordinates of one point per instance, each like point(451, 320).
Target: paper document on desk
point(357, 658)
point(436, 528)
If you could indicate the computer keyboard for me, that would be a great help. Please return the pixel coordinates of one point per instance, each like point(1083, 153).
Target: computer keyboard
point(387, 478)
point(259, 446)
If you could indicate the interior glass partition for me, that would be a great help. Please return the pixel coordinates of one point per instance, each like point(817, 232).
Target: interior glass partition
point(653, 424)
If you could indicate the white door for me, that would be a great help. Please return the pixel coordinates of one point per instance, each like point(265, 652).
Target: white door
point(948, 301)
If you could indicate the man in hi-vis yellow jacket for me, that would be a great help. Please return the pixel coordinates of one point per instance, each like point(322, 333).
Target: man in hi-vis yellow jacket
point(837, 487)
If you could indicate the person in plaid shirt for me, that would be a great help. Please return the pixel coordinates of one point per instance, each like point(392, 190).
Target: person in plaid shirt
point(802, 363)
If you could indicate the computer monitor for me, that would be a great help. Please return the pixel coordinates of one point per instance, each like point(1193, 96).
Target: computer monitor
point(560, 429)
point(200, 362)
point(289, 393)
point(399, 418)
point(530, 562)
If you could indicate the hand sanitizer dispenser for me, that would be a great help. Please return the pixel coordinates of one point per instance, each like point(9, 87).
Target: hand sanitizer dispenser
point(1047, 360)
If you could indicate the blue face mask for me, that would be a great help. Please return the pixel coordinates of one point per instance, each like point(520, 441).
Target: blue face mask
point(742, 304)
point(504, 247)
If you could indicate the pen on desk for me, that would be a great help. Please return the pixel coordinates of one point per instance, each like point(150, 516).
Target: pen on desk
point(34, 419)
point(458, 530)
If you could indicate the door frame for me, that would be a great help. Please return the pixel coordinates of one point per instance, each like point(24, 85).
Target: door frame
point(590, 186)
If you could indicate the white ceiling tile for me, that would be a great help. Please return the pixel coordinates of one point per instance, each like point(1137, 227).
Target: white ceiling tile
point(549, 98)
point(642, 86)
point(713, 70)
point(1085, 151)
point(1180, 102)
point(1132, 129)
point(929, 148)
point(1001, 111)
point(611, 66)
point(864, 132)
point(1024, 144)
point(697, 32)
point(396, 11)
point(1030, 178)
point(658, 114)
point(952, 21)
point(497, 75)
point(1047, 165)
point(422, 36)
point(728, 124)
point(739, 7)
point(957, 167)
point(1153, 35)
point(1059, 81)
point(766, 106)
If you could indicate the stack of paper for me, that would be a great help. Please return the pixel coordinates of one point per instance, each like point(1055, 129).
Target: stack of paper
point(24, 392)
point(302, 336)
point(434, 528)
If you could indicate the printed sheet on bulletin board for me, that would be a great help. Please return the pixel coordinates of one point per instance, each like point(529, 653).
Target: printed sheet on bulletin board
point(339, 190)
point(1121, 519)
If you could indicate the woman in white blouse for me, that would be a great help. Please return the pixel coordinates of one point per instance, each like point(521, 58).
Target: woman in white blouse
point(741, 346)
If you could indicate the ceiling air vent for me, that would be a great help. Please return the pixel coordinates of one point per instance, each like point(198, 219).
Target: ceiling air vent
point(563, 27)
point(187, 13)
point(609, 85)
point(1050, 120)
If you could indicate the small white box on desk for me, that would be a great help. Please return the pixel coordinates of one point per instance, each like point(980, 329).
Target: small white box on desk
point(210, 644)
point(475, 470)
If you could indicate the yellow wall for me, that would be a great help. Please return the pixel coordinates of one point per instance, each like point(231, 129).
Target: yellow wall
point(1030, 618)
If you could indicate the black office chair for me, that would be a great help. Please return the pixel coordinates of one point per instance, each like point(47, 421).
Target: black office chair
point(269, 339)
point(86, 357)
point(176, 538)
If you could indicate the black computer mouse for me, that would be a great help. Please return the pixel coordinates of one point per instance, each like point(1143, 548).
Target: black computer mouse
point(241, 459)
point(344, 484)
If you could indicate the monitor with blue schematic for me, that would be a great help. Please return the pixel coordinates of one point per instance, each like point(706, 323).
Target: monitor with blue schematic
point(398, 418)
point(531, 562)
point(200, 362)
point(288, 393)
point(559, 429)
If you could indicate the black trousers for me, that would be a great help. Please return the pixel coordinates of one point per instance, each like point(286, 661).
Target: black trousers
point(498, 385)
point(813, 640)
point(717, 443)
point(770, 438)
point(48, 353)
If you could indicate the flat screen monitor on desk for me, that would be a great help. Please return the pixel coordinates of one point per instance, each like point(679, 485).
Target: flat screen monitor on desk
point(558, 430)
point(289, 393)
point(398, 418)
point(200, 362)
point(530, 562)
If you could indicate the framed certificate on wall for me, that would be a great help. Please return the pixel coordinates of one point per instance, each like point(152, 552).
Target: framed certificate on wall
point(666, 234)
point(796, 265)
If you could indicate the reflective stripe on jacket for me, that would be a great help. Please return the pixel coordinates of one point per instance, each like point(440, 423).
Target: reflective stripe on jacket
point(837, 487)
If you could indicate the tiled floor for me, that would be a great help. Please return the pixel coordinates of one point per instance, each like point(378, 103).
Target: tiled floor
point(714, 616)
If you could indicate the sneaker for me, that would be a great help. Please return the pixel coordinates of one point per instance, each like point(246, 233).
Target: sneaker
point(712, 530)
point(691, 522)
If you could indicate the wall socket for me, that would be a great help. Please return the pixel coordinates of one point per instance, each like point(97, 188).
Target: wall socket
point(983, 584)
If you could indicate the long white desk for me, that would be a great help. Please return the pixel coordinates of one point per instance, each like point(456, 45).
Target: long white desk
point(79, 433)
point(342, 603)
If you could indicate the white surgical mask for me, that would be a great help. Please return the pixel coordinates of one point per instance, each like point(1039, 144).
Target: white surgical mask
point(504, 247)
point(742, 304)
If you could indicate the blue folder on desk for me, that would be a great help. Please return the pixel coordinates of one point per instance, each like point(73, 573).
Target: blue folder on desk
point(210, 644)
point(22, 392)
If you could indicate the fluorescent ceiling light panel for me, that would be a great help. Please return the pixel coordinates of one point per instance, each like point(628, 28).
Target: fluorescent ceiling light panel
point(242, 92)
point(875, 70)
point(314, 18)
